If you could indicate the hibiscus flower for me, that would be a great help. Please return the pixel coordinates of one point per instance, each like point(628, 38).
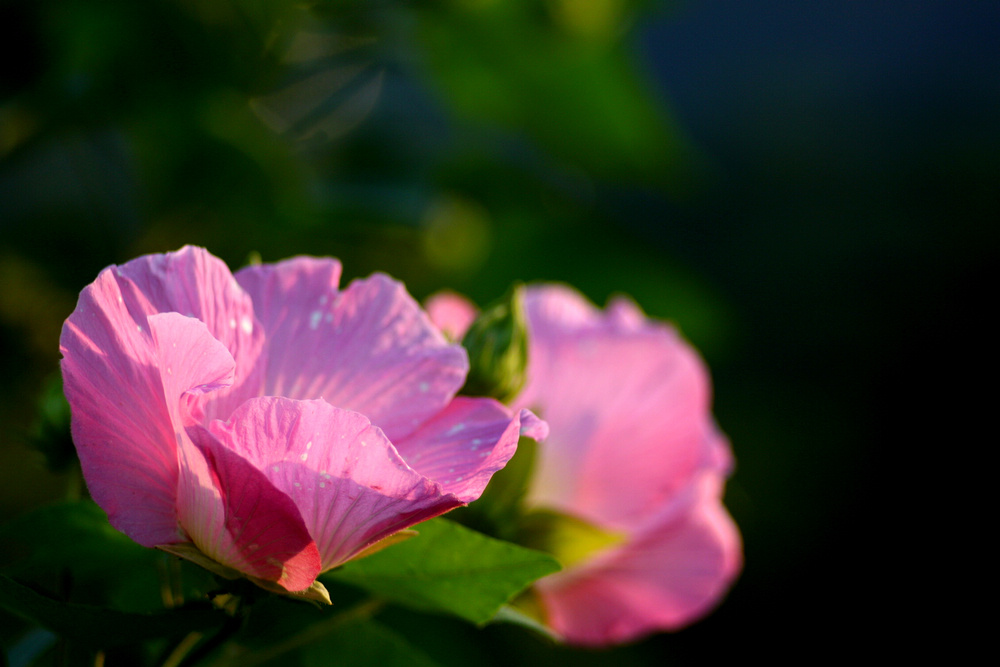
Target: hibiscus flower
point(269, 424)
point(629, 483)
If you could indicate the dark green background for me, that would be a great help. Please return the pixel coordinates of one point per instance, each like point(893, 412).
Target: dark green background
point(809, 190)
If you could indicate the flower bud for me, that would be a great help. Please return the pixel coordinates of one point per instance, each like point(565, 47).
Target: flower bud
point(497, 343)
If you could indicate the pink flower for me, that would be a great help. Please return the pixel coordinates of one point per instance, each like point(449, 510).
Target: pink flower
point(634, 456)
point(271, 424)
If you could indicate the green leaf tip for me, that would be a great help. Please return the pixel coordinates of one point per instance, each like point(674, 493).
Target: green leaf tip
point(449, 568)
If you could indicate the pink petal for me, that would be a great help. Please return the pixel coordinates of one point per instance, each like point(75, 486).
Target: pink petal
point(191, 363)
point(560, 307)
point(349, 483)
point(193, 282)
point(368, 348)
point(464, 444)
point(120, 422)
point(285, 296)
point(533, 427)
point(451, 313)
point(668, 576)
point(628, 409)
point(624, 314)
point(234, 515)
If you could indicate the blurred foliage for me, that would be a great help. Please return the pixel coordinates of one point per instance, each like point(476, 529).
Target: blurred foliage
point(50, 433)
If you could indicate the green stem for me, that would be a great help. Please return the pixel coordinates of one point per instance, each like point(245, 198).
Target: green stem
point(182, 649)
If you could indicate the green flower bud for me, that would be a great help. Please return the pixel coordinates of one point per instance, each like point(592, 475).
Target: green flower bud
point(497, 343)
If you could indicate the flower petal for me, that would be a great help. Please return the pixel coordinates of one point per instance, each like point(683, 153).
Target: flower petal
point(191, 363)
point(120, 421)
point(234, 515)
point(290, 299)
point(628, 409)
point(464, 444)
point(193, 282)
point(368, 348)
point(349, 483)
point(561, 308)
point(451, 313)
point(668, 576)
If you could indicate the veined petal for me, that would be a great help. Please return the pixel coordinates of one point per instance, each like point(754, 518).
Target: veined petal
point(369, 348)
point(120, 421)
point(191, 363)
point(464, 444)
point(671, 574)
point(290, 300)
point(193, 282)
point(349, 483)
point(628, 408)
point(234, 515)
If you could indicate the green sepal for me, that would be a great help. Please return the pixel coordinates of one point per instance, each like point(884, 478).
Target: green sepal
point(570, 539)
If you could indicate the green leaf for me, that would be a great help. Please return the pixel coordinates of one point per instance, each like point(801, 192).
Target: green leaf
point(74, 535)
point(70, 550)
point(449, 568)
point(50, 433)
point(98, 626)
point(514, 616)
point(364, 643)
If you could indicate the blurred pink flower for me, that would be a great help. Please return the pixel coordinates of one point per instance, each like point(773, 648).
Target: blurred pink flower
point(271, 423)
point(633, 452)
point(451, 313)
